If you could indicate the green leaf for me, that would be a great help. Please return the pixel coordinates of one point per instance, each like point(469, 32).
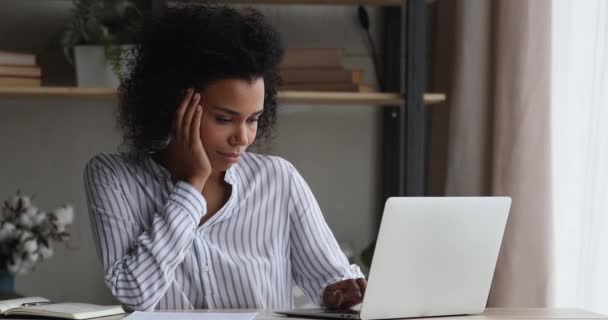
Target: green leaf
point(103, 22)
point(367, 254)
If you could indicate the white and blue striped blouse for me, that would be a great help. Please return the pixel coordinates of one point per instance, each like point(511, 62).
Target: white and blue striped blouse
point(268, 236)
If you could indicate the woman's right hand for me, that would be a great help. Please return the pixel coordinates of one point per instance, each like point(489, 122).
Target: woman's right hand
point(186, 157)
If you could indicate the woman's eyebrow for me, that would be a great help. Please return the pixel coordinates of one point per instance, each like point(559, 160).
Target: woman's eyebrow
point(235, 113)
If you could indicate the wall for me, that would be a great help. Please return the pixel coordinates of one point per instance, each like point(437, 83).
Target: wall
point(46, 142)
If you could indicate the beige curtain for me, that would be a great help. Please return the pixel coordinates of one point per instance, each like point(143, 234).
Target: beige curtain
point(492, 136)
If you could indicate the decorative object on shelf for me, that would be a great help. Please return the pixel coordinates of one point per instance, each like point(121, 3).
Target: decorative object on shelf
point(364, 23)
point(319, 69)
point(19, 69)
point(26, 233)
point(95, 70)
point(99, 38)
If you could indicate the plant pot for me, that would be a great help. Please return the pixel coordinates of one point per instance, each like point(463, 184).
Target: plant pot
point(7, 282)
point(93, 69)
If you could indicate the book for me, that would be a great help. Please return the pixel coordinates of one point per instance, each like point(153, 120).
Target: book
point(346, 87)
point(20, 71)
point(17, 58)
point(42, 307)
point(19, 82)
point(319, 75)
point(312, 57)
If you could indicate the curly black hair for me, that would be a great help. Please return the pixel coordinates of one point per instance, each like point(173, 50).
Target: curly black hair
point(191, 47)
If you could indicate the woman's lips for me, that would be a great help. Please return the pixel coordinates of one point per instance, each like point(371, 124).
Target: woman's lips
point(231, 157)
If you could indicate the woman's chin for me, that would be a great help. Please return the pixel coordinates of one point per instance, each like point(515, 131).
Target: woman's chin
point(221, 166)
point(224, 162)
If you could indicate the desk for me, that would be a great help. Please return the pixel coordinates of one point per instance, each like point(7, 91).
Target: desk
point(493, 314)
point(534, 313)
point(489, 314)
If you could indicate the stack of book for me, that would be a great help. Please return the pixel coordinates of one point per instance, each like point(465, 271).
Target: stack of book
point(19, 70)
point(319, 69)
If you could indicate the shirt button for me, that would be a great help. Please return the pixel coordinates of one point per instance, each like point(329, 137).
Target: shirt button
point(206, 268)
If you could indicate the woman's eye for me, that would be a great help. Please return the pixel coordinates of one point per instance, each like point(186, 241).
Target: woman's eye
point(253, 120)
point(222, 119)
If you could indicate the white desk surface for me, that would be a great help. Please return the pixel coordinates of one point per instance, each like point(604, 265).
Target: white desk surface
point(489, 314)
point(493, 313)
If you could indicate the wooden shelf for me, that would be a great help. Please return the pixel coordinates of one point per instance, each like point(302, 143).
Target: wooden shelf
point(310, 97)
point(342, 98)
point(56, 92)
point(390, 3)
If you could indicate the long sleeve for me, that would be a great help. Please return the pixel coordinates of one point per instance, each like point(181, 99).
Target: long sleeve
point(139, 266)
point(316, 256)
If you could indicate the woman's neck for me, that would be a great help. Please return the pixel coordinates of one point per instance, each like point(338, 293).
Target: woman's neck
point(217, 177)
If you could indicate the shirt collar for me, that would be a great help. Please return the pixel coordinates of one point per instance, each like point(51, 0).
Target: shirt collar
point(231, 175)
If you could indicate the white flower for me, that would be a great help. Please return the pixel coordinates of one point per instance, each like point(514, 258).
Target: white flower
point(16, 265)
point(32, 257)
point(60, 228)
point(30, 246)
point(21, 266)
point(7, 231)
point(39, 218)
point(31, 211)
point(65, 215)
point(26, 235)
point(25, 220)
point(26, 201)
point(13, 201)
point(45, 252)
point(26, 266)
point(26, 226)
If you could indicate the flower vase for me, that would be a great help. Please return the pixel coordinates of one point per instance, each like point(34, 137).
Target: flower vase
point(7, 282)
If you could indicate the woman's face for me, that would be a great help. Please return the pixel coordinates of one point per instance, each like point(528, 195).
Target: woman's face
point(231, 108)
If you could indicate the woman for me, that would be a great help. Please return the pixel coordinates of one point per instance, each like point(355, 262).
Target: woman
point(188, 218)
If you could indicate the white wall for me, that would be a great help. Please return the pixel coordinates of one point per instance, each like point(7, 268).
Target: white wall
point(46, 142)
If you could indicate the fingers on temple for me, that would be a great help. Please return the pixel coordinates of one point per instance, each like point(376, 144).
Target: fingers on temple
point(179, 113)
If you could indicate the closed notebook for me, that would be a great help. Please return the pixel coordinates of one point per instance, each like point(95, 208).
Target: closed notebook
point(17, 58)
point(319, 75)
point(20, 71)
point(312, 57)
point(41, 307)
point(19, 82)
point(339, 87)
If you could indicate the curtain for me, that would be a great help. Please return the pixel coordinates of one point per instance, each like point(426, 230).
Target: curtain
point(580, 153)
point(497, 77)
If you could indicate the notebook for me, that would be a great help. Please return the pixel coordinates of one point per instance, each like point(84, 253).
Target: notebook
point(41, 307)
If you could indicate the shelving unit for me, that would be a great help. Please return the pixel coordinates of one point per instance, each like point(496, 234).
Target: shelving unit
point(404, 124)
point(404, 119)
point(304, 97)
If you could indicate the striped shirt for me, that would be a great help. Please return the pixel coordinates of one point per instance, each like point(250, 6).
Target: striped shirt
point(269, 236)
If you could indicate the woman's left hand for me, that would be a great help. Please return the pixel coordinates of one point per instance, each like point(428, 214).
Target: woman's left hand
point(344, 294)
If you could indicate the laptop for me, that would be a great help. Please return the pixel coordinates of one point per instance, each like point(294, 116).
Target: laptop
point(434, 256)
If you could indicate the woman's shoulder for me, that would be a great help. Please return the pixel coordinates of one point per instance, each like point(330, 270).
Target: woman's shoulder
point(113, 162)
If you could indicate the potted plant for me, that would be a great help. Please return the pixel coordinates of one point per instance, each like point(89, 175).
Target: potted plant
point(26, 236)
point(98, 37)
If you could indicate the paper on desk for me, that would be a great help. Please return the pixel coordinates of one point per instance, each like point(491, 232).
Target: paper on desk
point(138, 315)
